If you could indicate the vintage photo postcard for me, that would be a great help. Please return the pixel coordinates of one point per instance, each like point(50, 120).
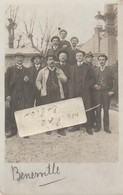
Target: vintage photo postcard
point(61, 97)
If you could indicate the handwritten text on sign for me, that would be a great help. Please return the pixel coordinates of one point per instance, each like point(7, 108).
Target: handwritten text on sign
point(50, 117)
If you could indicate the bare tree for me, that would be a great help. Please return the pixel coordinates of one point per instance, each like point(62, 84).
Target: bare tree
point(12, 24)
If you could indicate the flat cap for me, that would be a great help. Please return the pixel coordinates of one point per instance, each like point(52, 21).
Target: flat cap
point(55, 37)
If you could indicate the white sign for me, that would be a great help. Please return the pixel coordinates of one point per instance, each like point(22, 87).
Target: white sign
point(50, 117)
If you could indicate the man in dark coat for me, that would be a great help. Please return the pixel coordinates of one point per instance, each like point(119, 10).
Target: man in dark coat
point(64, 66)
point(81, 81)
point(89, 60)
point(55, 49)
point(17, 92)
point(34, 70)
point(72, 50)
point(103, 91)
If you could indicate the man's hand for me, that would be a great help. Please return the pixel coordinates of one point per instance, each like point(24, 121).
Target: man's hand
point(97, 87)
point(110, 93)
point(8, 98)
point(26, 78)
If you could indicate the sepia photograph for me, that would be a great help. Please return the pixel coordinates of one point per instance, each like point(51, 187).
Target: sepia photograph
point(61, 82)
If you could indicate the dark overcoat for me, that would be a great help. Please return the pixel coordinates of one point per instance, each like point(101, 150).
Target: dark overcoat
point(82, 88)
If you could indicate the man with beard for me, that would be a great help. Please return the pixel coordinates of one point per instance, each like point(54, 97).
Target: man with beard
point(104, 89)
point(50, 83)
point(34, 70)
point(17, 92)
point(81, 81)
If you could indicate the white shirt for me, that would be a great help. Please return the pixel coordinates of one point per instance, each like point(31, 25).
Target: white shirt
point(80, 63)
point(37, 66)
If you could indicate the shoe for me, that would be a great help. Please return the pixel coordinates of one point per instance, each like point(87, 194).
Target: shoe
point(96, 129)
point(9, 134)
point(26, 137)
point(61, 132)
point(107, 131)
point(48, 133)
point(89, 131)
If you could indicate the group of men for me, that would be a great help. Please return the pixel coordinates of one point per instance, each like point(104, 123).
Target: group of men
point(66, 72)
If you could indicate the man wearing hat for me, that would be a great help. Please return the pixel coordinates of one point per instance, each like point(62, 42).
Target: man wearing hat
point(34, 70)
point(73, 49)
point(89, 58)
point(17, 91)
point(55, 49)
point(81, 81)
point(64, 66)
point(50, 82)
point(104, 89)
point(64, 44)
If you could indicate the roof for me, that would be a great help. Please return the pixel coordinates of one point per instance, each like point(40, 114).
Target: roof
point(25, 51)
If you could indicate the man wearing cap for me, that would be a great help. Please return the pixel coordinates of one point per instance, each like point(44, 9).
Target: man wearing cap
point(104, 89)
point(49, 82)
point(55, 49)
point(64, 44)
point(81, 81)
point(64, 66)
point(34, 70)
point(72, 50)
point(17, 91)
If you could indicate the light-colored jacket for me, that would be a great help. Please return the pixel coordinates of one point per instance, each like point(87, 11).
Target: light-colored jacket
point(42, 77)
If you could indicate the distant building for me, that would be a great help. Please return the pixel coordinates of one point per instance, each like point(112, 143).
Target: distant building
point(104, 40)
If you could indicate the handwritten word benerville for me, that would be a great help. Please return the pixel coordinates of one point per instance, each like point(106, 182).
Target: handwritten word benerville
point(18, 175)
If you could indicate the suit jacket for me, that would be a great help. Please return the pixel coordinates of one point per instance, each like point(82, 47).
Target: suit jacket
point(72, 55)
point(83, 88)
point(11, 78)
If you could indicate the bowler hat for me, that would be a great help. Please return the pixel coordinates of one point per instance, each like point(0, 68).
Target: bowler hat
point(62, 30)
point(89, 55)
point(50, 54)
point(55, 37)
point(63, 51)
point(103, 55)
point(18, 54)
point(74, 38)
point(36, 55)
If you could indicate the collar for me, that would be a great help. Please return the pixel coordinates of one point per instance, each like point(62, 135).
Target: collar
point(80, 63)
point(18, 66)
point(102, 68)
point(73, 48)
point(63, 63)
point(55, 47)
point(37, 66)
point(52, 69)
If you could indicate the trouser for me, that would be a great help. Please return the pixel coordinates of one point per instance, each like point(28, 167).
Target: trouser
point(18, 102)
point(104, 100)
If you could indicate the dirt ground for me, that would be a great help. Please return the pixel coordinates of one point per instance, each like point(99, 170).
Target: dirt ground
point(76, 146)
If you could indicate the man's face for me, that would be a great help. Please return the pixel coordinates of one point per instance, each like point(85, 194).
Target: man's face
point(55, 42)
point(89, 59)
point(37, 60)
point(74, 42)
point(63, 57)
point(50, 61)
point(102, 61)
point(79, 57)
point(63, 35)
point(19, 60)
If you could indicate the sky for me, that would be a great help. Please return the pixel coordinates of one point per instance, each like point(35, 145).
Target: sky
point(76, 16)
